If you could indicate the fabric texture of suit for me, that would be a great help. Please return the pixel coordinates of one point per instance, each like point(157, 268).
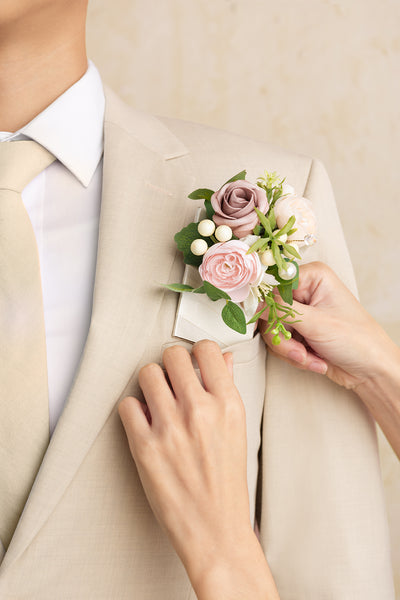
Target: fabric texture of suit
point(87, 531)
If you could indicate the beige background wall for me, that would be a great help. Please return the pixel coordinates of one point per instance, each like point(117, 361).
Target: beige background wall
point(321, 77)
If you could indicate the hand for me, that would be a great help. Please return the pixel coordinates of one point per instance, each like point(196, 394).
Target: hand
point(336, 335)
point(189, 446)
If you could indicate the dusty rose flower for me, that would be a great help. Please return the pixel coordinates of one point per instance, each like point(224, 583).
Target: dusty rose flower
point(301, 208)
point(228, 267)
point(234, 205)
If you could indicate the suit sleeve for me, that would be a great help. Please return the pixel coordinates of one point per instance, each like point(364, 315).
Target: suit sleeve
point(321, 508)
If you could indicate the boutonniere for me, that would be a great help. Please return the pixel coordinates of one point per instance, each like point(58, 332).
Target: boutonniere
point(246, 246)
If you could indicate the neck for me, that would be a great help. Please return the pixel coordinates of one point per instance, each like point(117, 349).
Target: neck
point(41, 55)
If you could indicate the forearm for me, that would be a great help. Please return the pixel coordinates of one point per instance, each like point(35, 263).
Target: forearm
point(240, 572)
point(381, 395)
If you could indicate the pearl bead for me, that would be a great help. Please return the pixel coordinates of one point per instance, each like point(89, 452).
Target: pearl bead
point(290, 273)
point(267, 258)
point(223, 233)
point(199, 247)
point(206, 227)
point(293, 245)
point(282, 237)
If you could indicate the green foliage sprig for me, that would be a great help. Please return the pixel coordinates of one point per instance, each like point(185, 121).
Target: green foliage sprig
point(278, 317)
point(272, 185)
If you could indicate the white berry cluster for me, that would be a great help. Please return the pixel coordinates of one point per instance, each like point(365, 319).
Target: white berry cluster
point(267, 257)
point(206, 228)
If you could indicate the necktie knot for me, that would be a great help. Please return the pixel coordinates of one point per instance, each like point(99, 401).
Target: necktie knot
point(20, 162)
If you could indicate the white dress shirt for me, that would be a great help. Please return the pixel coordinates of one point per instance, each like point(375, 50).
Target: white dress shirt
point(63, 203)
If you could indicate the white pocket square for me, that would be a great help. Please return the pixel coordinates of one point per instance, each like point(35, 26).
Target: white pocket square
point(199, 318)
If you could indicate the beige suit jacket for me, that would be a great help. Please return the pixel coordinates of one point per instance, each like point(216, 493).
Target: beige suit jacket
point(87, 531)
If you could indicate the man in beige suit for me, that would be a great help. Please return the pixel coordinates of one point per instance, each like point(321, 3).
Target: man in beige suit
point(86, 530)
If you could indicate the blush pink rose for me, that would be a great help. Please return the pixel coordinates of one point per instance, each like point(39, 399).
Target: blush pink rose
point(301, 208)
point(234, 205)
point(228, 267)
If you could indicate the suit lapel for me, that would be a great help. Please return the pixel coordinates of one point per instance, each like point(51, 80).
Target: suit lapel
point(145, 183)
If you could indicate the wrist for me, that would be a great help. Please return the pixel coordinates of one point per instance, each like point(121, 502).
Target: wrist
point(380, 393)
point(383, 370)
point(230, 571)
point(384, 356)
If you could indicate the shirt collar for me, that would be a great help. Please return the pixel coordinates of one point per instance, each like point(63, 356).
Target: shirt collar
point(71, 128)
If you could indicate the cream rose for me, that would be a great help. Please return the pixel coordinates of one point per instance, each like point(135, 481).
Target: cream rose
point(301, 208)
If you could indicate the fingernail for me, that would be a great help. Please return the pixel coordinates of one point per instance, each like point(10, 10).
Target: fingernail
point(296, 355)
point(318, 367)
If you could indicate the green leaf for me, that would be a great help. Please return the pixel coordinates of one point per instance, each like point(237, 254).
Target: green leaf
point(201, 194)
point(257, 230)
point(292, 231)
point(233, 316)
point(214, 293)
point(241, 175)
point(186, 236)
point(270, 327)
point(264, 221)
point(272, 219)
point(277, 255)
point(184, 239)
point(209, 209)
point(257, 315)
point(286, 287)
point(291, 250)
point(295, 281)
point(199, 290)
point(178, 287)
point(269, 300)
point(287, 227)
point(286, 293)
point(258, 244)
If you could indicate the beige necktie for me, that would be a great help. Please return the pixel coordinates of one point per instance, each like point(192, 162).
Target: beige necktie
point(24, 412)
